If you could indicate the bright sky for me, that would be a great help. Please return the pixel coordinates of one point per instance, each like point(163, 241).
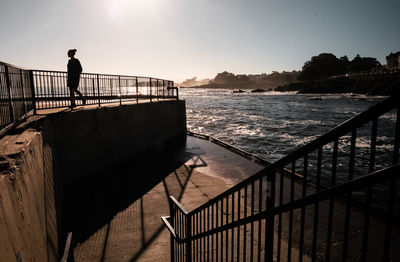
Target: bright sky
point(180, 39)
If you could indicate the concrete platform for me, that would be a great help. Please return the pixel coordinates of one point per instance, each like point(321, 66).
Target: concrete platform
point(115, 215)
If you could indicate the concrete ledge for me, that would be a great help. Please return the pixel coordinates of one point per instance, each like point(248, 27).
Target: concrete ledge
point(88, 140)
point(45, 153)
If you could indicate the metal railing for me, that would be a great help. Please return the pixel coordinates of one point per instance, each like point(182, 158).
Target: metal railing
point(15, 94)
point(51, 90)
point(68, 253)
point(267, 217)
point(22, 90)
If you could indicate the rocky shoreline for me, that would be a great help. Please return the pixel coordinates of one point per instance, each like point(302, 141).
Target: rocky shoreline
point(368, 84)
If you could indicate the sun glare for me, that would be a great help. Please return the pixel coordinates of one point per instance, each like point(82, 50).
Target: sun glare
point(117, 8)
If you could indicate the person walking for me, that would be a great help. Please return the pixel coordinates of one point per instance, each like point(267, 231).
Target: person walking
point(73, 76)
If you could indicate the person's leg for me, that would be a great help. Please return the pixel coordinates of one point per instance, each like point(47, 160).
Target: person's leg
point(81, 96)
point(72, 94)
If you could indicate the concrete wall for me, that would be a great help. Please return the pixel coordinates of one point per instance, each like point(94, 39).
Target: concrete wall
point(88, 140)
point(49, 151)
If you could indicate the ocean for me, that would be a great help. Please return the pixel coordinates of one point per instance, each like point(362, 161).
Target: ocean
point(273, 124)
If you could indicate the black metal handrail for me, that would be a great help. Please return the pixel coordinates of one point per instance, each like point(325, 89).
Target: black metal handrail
point(24, 90)
point(15, 94)
point(237, 150)
point(68, 254)
point(51, 90)
point(275, 186)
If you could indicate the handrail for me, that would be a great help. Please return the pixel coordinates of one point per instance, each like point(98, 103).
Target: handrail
point(25, 90)
point(237, 150)
point(168, 225)
point(364, 117)
point(382, 107)
point(67, 256)
point(88, 73)
point(362, 182)
point(261, 197)
point(176, 202)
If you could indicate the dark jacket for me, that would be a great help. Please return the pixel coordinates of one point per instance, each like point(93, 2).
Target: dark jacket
point(74, 72)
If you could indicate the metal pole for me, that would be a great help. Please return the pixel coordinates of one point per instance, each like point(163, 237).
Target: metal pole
point(150, 89)
point(137, 92)
point(98, 89)
point(188, 237)
point(269, 245)
point(120, 93)
point(158, 99)
point(32, 83)
point(10, 105)
point(22, 90)
point(171, 217)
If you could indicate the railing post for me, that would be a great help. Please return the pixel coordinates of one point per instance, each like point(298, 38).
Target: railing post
point(158, 99)
point(98, 89)
point(10, 105)
point(150, 89)
point(22, 90)
point(32, 83)
point(94, 90)
point(137, 92)
point(269, 238)
point(171, 218)
point(163, 88)
point(188, 237)
point(120, 92)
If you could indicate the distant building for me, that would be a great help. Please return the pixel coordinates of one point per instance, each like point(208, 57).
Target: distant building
point(393, 61)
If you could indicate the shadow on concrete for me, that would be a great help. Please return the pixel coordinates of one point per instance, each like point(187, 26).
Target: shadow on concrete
point(92, 202)
point(198, 162)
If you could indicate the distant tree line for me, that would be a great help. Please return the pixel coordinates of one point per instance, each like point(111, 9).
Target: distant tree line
point(242, 81)
point(266, 81)
point(327, 64)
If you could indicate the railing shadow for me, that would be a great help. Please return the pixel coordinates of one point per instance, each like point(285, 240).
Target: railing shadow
point(92, 202)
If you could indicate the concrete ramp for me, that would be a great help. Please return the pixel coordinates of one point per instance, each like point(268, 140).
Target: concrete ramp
point(115, 214)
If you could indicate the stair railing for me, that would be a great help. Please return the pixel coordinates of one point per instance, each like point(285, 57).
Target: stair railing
point(209, 231)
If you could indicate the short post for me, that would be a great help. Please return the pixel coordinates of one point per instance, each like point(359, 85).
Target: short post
point(32, 83)
point(10, 105)
point(94, 90)
point(150, 89)
point(163, 88)
point(120, 92)
point(98, 89)
point(158, 99)
point(22, 90)
point(269, 239)
point(188, 237)
point(137, 92)
point(172, 239)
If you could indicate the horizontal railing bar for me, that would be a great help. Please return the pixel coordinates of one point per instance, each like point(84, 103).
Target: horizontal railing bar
point(67, 248)
point(364, 117)
point(231, 147)
point(11, 65)
point(115, 97)
point(356, 184)
point(95, 74)
point(234, 149)
point(179, 205)
point(168, 225)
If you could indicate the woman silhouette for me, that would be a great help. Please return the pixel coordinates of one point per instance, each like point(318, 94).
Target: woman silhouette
point(74, 74)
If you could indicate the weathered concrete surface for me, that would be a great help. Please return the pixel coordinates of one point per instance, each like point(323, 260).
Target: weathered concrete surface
point(118, 219)
point(47, 151)
point(23, 232)
point(86, 138)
